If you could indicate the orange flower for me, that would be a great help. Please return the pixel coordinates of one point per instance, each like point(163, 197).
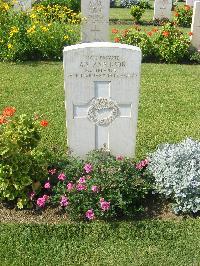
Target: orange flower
point(9, 111)
point(2, 119)
point(190, 33)
point(176, 14)
point(187, 7)
point(125, 33)
point(165, 33)
point(154, 30)
point(44, 123)
point(150, 33)
point(114, 31)
point(116, 40)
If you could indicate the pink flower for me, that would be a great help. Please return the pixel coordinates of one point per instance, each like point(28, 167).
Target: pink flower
point(47, 185)
point(82, 180)
point(45, 197)
point(119, 158)
point(70, 186)
point(41, 201)
point(90, 214)
point(62, 177)
point(88, 168)
point(31, 195)
point(80, 187)
point(52, 171)
point(142, 164)
point(95, 189)
point(105, 205)
point(64, 201)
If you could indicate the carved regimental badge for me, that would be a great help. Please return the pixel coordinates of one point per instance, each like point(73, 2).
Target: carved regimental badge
point(103, 104)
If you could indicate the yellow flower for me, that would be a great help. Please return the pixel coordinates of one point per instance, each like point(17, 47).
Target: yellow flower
point(66, 37)
point(10, 46)
point(31, 30)
point(13, 31)
point(33, 16)
point(44, 28)
point(6, 6)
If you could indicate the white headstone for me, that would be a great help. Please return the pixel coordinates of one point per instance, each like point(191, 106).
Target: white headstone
point(95, 25)
point(162, 9)
point(23, 5)
point(190, 2)
point(102, 91)
point(195, 29)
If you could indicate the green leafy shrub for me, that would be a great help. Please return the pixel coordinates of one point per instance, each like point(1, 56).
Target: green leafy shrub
point(166, 44)
point(39, 34)
point(101, 186)
point(21, 162)
point(183, 16)
point(176, 169)
point(136, 12)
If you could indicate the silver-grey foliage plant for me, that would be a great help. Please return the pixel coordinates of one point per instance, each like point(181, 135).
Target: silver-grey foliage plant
point(176, 169)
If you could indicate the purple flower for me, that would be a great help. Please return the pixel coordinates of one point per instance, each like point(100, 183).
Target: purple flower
point(90, 214)
point(80, 187)
point(62, 177)
point(70, 186)
point(95, 189)
point(82, 180)
point(88, 168)
point(105, 205)
point(47, 185)
point(142, 164)
point(64, 201)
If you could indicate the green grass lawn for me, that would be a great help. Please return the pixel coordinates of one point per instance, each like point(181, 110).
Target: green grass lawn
point(168, 111)
point(144, 243)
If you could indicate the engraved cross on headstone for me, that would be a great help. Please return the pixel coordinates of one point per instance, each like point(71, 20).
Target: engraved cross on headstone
point(102, 90)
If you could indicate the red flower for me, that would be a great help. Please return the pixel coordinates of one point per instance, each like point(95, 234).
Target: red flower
point(9, 111)
point(150, 33)
point(165, 33)
point(190, 33)
point(116, 39)
point(44, 123)
point(187, 7)
point(2, 119)
point(114, 31)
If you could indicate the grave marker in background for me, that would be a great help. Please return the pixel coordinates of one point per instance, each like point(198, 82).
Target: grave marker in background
point(95, 25)
point(23, 5)
point(162, 9)
point(195, 28)
point(102, 91)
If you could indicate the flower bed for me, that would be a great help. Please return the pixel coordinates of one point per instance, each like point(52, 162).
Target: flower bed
point(39, 34)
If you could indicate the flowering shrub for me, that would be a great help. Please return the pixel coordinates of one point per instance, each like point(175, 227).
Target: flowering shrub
point(176, 169)
point(136, 12)
point(101, 186)
point(22, 165)
point(167, 44)
point(183, 16)
point(74, 5)
point(39, 34)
